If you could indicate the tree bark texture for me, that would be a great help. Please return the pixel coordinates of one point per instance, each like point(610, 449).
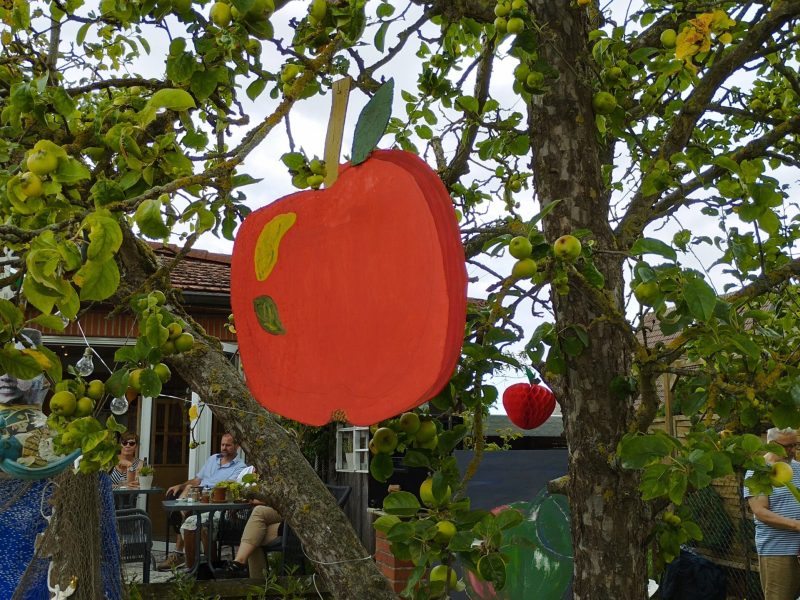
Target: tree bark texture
point(568, 153)
point(290, 485)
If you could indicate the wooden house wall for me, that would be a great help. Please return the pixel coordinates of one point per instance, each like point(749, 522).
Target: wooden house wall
point(356, 507)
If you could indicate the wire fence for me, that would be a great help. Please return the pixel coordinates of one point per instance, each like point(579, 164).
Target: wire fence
point(728, 535)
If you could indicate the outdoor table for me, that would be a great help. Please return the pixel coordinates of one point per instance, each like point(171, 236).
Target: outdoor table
point(127, 494)
point(198, 508)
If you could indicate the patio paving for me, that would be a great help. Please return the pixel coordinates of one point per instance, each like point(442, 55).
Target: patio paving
point(132, 572)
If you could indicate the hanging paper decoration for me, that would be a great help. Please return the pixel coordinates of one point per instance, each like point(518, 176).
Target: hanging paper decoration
point(351, 301)
point(528, 405)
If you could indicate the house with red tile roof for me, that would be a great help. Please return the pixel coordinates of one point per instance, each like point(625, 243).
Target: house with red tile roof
point(162, 423)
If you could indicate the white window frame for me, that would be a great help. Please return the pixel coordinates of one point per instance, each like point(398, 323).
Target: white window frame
point(357, 460)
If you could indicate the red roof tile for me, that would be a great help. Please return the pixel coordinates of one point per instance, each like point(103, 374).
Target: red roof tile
point(200, 271)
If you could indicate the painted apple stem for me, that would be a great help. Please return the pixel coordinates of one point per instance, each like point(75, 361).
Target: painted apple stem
point(333, 139)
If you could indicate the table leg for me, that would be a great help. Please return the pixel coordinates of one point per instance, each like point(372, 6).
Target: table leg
point(198, 544)
point(166, 537)
point(210, 545)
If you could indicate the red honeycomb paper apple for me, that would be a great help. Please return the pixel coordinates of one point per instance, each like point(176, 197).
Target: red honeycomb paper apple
point(528, 405)
point(350, 302)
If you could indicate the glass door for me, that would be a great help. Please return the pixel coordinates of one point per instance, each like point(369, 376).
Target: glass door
point(169, 452)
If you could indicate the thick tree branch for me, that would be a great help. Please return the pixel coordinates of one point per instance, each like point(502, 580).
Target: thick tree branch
point(755, 148)
point(766, 282)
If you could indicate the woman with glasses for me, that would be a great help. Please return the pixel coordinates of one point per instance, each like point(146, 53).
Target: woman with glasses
point(128, 464)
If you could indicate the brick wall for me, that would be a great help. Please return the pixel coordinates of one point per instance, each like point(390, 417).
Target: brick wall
point(396, 571)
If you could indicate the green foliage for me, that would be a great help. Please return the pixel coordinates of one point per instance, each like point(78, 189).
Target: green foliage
point(91, 151)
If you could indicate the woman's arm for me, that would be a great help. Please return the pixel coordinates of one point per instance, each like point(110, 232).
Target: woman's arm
point(133, 471)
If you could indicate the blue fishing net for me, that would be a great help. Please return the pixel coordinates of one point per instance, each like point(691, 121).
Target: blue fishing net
point(23, 569)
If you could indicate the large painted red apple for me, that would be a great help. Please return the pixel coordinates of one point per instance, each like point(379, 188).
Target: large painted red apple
point(350, 302)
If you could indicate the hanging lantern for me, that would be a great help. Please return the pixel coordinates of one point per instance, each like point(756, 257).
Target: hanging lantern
point(528, 405)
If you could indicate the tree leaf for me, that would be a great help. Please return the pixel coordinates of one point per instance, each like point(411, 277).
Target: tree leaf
point(49, 322)
point(63, 102)
point(150, 220)
point(150, 383)
point(372, 123)
point(11, 314)
point(637, 451)
point(700, 298)
point(380, 36)
point(172, 99)
point(70, 170)
point(254, 89)
point(105, 236)
point(491, 567)
point(653, 246)
point(43, 298)
point(402, 504)
point(19, 364)
point(97, 280)
point(381, 467)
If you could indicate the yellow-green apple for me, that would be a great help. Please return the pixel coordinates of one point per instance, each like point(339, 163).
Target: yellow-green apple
point(409, 422)
point(567, 247)
point(520, 247)
point(524, 268)
point(63, 403)
point(385, 440)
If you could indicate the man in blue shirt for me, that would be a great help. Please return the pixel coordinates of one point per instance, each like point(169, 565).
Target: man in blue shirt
point(777, 520)
point(224, 466)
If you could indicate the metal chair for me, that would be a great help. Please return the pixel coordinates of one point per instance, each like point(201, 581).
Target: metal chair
point(136, 538)
point(230, 528)
point(288, 544)
point(340, 492)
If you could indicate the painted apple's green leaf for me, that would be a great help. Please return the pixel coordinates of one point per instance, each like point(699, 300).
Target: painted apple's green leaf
point(267, 315)
point(372, 123)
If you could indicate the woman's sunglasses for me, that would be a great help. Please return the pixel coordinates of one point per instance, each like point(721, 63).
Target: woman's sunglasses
point(129, 443)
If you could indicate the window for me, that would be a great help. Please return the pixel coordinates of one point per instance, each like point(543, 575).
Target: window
point(352, 450)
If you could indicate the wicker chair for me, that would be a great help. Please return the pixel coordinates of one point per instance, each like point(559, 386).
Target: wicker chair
point(136, 538)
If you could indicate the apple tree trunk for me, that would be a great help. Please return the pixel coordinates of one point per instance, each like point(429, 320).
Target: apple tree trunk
point(609, 519)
